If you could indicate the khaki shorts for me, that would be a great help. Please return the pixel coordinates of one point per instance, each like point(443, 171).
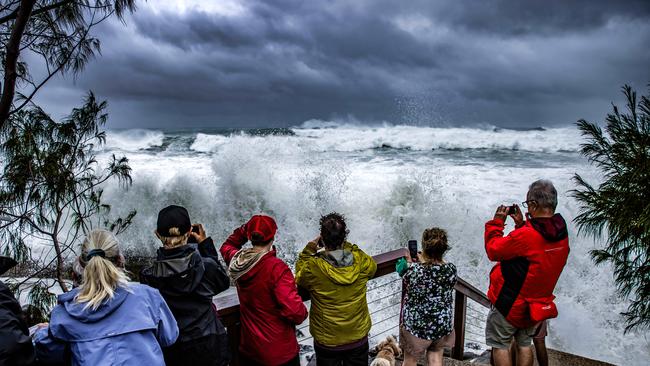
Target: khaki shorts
point(542, 330)
point(499, 333)
point(416, 346)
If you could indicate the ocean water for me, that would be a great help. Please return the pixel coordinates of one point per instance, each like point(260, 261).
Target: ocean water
point(391, 182)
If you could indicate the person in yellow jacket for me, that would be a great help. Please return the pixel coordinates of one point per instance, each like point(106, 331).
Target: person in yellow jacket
point(335, 273)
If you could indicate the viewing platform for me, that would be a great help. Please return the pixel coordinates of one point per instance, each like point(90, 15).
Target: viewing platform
point(384, 300)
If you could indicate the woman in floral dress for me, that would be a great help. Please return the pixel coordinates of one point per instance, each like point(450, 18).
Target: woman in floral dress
point(427, 325)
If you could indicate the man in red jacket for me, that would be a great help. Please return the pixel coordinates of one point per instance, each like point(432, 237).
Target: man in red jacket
point(530, 261)
point(268, 298)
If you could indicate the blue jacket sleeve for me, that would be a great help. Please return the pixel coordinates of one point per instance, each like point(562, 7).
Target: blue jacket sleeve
point(49, 350)
point(167, 328)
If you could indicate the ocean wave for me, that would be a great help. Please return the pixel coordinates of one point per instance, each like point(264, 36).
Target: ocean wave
point(206, 143)
point(134, 140)
point(353, 138)
point(346, 137)
point(385, 205)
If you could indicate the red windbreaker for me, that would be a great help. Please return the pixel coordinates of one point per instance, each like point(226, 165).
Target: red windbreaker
point(530, 261)
point(269, 304)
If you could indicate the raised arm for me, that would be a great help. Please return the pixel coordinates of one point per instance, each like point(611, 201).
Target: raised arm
point(499, 247)
point(215, 274)
point(302, 264)
point(233, 244)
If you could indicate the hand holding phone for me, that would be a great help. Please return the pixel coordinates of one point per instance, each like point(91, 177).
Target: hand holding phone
point(517, 216)
point(197, 234)
point(413, 250)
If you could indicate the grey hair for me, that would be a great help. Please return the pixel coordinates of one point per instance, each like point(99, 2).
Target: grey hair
point(543, 192)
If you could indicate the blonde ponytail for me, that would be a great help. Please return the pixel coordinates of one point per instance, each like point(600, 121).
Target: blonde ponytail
point(100, 256)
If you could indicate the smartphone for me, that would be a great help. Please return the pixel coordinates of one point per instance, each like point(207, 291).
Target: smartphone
point(413, 249)
point(512, 210)
point(195, 229)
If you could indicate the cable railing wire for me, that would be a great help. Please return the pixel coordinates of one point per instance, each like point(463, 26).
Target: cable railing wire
point(385, 319)
point(476, 311)
point(481, 319)
point(305, 339)
point(385, 284)
point(384, 332)
point(384, 308)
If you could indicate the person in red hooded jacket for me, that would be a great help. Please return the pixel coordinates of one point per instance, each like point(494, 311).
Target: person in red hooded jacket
point(268, 298)
point(530, 261)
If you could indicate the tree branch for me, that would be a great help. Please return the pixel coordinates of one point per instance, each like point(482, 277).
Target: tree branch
point(11, 58)
point(14, 15)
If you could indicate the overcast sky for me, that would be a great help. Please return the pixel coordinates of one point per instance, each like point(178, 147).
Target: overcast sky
point(252, 63)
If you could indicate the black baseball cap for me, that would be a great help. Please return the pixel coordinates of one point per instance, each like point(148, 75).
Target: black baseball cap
point(173, 216)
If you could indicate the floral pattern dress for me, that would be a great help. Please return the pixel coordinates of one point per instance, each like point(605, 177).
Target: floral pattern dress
point(428, 299)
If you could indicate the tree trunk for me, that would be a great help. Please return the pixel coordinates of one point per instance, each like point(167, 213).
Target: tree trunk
point(59, 264)
point(11, 60)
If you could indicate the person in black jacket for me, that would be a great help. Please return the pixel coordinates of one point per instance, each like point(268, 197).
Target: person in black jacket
point(188, 276)
point(16, 347)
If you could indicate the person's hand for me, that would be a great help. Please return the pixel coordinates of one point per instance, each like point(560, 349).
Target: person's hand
point(518, 216)
point(313, 245)
point(42, 325)
point(407, 255)
point(502, 213)
point(200, 236)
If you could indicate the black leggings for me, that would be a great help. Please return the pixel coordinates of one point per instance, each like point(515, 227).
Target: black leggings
point(351, 357)
point(210, 350)
point(244, 361)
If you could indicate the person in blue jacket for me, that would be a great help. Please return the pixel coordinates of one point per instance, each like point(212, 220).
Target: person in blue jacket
point(106, 320)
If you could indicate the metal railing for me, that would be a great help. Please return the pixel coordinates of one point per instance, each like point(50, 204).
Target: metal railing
point(384, 299)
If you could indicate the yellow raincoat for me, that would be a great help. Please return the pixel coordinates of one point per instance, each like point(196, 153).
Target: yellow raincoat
point(336, 282)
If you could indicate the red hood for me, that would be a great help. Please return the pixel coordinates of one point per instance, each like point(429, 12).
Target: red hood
point(243, 280)
point(552, 229)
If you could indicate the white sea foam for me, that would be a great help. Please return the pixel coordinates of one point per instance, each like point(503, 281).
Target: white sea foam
point(388, 197)
point(207, 143)
point(327, 137)
point(133, 140)
point(354, 138)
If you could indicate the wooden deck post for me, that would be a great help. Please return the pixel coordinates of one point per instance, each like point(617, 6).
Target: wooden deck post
point(460, 307)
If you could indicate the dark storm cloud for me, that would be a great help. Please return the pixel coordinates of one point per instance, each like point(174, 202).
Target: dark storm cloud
point(515, 18)
point(283, 62)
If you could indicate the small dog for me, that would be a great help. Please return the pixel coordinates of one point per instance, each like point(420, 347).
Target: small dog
point(387, 349)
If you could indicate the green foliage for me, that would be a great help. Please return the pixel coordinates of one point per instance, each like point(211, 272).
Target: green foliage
point(619, 207)
point(51, 187)
point(58, 34)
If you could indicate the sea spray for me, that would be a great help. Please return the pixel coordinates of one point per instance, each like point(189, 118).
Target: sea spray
point(391, 185)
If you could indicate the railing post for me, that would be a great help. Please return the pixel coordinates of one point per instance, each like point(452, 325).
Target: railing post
point(460, 307)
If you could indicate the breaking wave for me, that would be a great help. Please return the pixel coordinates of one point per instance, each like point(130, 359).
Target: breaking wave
point(388, 193)
point(134, 140)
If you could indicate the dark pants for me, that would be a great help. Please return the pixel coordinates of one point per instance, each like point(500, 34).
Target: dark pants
point(210, 350)
point(351, 357)
point(243, 360)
